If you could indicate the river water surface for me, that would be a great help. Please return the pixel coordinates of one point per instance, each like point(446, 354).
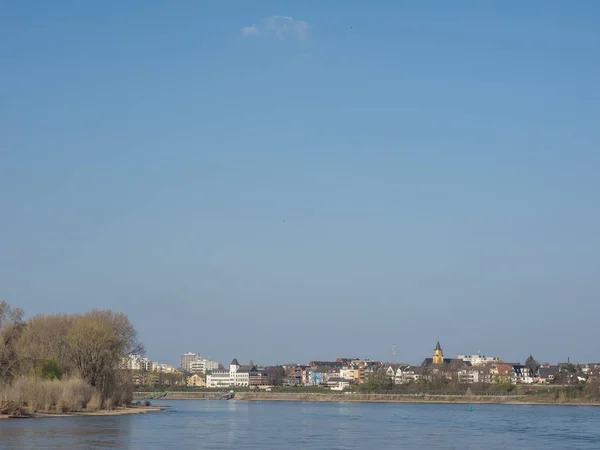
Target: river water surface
point(291, 425)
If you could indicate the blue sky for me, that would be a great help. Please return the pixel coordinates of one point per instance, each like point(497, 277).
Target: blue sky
point(286, 181)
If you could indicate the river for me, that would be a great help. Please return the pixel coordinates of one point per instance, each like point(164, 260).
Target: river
point(292, 425)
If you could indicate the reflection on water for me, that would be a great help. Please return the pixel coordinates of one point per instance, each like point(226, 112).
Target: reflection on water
point(283, 425)
point(67, 432)
point(232, 420)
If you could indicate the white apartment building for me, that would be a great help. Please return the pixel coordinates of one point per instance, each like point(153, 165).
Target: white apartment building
point(147, 365)
point(468, 376)
point(203, 366)
point(236, 376)
point(478, 360)
point(346, 373)
point(166, 368)
point(187, 359)
point(132, 362)
point(136, 362)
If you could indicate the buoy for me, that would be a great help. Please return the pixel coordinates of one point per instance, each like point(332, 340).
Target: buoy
point(471, 408)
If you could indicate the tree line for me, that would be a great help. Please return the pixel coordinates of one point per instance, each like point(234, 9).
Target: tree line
point(46, 350)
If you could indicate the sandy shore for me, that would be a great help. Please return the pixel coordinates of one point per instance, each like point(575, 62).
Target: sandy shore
point(109, 412)
point(113, 412)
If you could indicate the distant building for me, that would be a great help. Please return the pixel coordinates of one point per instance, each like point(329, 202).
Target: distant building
point(298, 372)
point(237, 375)
point(187, 359)
point(203, 366)
point(410, 374)
point(137, 363)
point(196, 380)
point(166, 368)
point(478, 360)
point(547, 374)
point(469, 376)
point(258, 377)
point(338, 383)
point(315, 378)
point(521, 374)
point(147, 365)
point(327, 364)
point(132, 362)
point(438, 361)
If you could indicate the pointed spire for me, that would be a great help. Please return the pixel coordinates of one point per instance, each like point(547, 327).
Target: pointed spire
point(437, 347)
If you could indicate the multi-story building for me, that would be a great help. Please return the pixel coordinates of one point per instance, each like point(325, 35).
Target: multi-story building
point(147, 365)
point(522, 374)
point(132, 362)
point(258, 378)
point(478, 360)
point(327, 364)
point(468, 376)
point(315, 378)
point(237, 375)
point(346, 373)
point(410, 374)
point(203, 366)
point(187, 359)
point(196, 380)
point(299, 373)
point(166, 368)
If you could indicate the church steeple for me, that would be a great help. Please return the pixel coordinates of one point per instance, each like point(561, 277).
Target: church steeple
point(438, 354)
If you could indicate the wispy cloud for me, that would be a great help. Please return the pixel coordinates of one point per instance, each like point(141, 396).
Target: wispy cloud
point(280, 27)
point(251, 30)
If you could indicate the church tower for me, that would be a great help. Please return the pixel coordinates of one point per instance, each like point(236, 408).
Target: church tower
point(438, 355)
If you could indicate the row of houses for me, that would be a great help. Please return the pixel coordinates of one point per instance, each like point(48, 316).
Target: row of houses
point(494, 373)
point(336, 375)
point(345, 372)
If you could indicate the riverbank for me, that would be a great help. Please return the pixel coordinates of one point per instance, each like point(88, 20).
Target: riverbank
point(127, 410)
point(381, 398)
point(411, 398)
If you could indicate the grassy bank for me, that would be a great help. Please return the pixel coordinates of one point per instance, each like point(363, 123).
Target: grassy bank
point(30, 395)
point(34, 397)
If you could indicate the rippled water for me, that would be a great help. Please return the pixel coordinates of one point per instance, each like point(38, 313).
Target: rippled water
point(283, 425)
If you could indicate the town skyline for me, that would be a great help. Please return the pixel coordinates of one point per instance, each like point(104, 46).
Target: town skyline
point(343, 374)
point(175, 361)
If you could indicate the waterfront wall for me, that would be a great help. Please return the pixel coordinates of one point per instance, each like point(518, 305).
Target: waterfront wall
point(376, 398)
point(331, 397)
point(180, 395)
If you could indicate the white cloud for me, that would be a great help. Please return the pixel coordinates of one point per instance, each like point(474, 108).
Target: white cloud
point(250, 30)
point(280, 27)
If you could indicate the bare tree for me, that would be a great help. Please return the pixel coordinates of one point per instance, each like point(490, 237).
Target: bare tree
point(96, 344)
point(532, 365)
point(276, 375)
point(11, 328)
